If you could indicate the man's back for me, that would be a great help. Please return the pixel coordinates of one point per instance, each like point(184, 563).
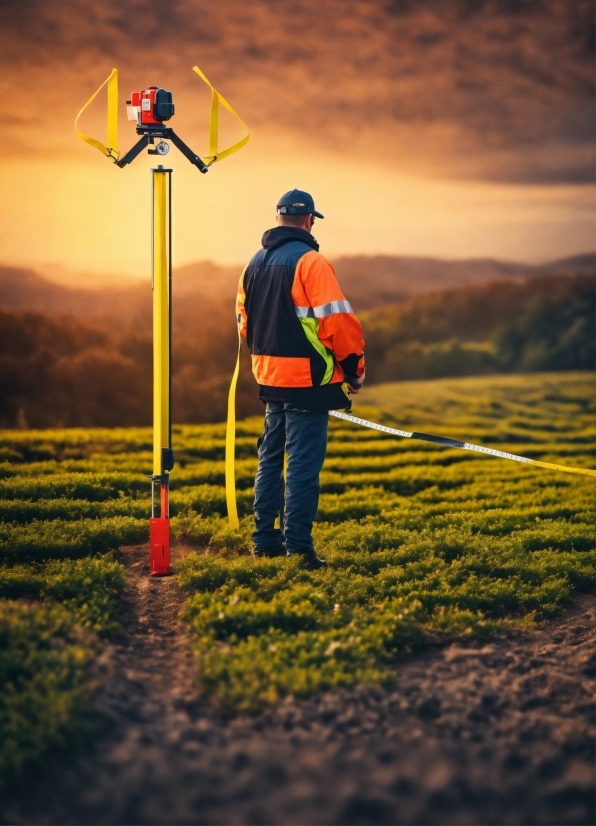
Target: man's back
point(273, 328)
point(300, 330)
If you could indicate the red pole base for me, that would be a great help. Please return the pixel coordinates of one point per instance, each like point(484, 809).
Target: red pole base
point(159, 543)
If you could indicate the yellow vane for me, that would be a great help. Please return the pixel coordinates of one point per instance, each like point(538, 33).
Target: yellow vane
point(216, 99)
point(111, 150)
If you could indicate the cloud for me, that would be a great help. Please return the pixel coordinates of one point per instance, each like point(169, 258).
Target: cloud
point(482, 89)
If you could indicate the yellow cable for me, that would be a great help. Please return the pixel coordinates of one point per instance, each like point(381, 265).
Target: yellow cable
point(231, 448)
point(111, 150)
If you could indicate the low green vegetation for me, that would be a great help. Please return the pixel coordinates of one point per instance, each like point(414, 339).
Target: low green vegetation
point(52, 617)
point(44, 675)
point(420, 539)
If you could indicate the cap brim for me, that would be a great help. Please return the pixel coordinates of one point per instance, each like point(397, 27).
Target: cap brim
point(318, 215)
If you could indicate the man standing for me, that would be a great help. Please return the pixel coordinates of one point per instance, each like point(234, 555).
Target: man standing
point(304, 341)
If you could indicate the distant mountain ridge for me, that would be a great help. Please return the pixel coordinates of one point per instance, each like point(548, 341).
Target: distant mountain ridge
point(369, 282)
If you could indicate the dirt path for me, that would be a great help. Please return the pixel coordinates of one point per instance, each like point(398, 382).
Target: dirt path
point(494, 734)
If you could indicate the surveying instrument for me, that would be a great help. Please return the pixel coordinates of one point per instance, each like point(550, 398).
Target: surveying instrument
point(151, 109)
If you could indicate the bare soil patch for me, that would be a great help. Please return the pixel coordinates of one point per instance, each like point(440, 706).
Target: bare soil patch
point(501, 733)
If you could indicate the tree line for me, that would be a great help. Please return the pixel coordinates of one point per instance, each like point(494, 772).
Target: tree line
point(62, 372)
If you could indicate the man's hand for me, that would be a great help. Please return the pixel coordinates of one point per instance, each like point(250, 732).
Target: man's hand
point(354, 387)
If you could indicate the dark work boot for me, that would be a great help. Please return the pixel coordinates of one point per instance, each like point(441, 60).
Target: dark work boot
point(309, 559)
point(269, 553)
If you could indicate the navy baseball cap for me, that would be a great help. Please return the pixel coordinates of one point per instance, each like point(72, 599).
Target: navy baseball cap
point(297, 202)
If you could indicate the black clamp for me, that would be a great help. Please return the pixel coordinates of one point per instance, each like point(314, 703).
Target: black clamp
point(167, 463)
point(167, 458)
point(149, 133)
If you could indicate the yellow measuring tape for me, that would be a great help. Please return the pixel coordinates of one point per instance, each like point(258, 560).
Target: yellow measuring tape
point(111, 150)
point(405, 434)
point(446, 442)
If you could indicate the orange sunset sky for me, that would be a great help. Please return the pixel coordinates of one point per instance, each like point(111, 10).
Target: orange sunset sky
point(453, 128)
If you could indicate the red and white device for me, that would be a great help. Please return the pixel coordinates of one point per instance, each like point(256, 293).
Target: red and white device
point(152, 106)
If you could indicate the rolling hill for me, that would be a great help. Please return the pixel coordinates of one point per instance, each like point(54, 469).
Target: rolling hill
point(370, 282)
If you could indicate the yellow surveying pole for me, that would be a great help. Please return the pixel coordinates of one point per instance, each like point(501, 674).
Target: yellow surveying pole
point(152, 109)
point(163, 457)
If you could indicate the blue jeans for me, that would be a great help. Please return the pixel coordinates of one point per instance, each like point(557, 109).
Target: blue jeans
point(303, 435)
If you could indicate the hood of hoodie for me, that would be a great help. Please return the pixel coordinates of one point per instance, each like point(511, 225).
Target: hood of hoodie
point(277, 236)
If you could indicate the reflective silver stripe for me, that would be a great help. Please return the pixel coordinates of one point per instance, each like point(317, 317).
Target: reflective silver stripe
point(323, 310)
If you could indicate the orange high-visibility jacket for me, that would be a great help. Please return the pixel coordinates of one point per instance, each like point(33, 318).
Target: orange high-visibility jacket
point(302, 334)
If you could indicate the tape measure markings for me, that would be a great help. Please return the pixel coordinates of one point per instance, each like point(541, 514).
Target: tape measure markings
point(445, 442)
point(391, 430)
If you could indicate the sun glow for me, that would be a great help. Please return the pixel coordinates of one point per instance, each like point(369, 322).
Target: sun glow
point(92, 217)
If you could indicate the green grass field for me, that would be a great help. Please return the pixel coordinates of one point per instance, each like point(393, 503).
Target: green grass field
point(420, 539)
